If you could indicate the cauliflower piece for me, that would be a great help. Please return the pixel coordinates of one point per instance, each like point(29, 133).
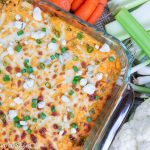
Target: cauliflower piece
point(135, 134)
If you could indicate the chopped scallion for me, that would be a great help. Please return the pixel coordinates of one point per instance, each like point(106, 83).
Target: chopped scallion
point(6, 78)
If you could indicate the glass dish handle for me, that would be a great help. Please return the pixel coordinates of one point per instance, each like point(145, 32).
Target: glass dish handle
point(118, 118)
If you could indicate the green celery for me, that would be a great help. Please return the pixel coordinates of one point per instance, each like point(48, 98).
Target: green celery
point(135, 30)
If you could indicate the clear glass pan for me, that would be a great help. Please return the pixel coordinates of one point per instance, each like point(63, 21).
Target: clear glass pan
point(102, 125)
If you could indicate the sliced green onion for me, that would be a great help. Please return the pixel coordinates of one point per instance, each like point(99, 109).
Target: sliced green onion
point(6, 78)
point(18, 48)
point(34, 103)
point(42, 66)
point(26, 118)
point(76, 80)
point(80, 35)
point(29, 69)
point(0, 103)
point(53, 109)
point(75, 58)
point(111, 59)
point(74, 125)
point(44, 29)
point(97, 97)
point(71, 92)
point(63, 50)
point(52, 57)
point(53, 40)
point(17, 124)
point(29, 131)
point(90, 49)
point(16, 119)
point(34, 119)
point(89, 119)
point(57, 55)
point(20, 32)
point(57, 33)
point(23, 71)
point(42, 116)
point(48, 85)
point(38, 41)
point(26, 61)
point(75, 68)
point(71, 115)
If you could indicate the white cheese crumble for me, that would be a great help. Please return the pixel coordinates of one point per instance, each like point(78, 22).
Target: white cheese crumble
point(90, 68)
point(99, 76)
point(65, 99)
point(65, 118)
point(38, 35)
point(12, 114)
point(41, 104)
point(73, 131)
point(96, 47)
point(18, 17)
point(20, 24)
point(53, 47)
point(89, 89)
point(61, 132)
point(25, 127)
point(29, 83)
point(37, 14)
point(79, 73)
point(10, 50)
point(105, 48)
point(18, 74)
point(18, 100)
point(23, 123)
point(83, 82)
point(63, 42)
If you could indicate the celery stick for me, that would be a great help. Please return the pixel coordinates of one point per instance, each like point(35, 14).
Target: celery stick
point(141, 14)
point(140, 89)
point(116, 5)
point(135, 30)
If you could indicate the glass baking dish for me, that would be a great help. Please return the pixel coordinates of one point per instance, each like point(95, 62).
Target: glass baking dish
point(118, 105)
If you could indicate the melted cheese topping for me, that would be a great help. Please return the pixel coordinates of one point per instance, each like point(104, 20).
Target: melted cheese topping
point(54, 79)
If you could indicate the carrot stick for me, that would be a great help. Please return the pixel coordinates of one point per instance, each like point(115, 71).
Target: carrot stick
point(97, 12)
point(71, 1)
point(86, 9)
point(76, 4)
point(64, 4)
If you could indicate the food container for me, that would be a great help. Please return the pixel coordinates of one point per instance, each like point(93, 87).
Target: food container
point(118, 105)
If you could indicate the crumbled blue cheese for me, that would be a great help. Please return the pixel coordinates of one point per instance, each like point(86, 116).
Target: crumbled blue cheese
point(89, 89)
point(10, 50)
point(53, 47)
point(12, 114)
point(83, 82)
point(99, 76)
point(18, 100)
point(37, 14)
point(65, 99)
point(29, 83)
point(25, 127)
point(18, 75)
point(41, 104)
point(18, 17)
point(73, 131)
point(38, 35)
point(105, 48)
point(20, 25)
point(63, 42)
point(23, 123)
